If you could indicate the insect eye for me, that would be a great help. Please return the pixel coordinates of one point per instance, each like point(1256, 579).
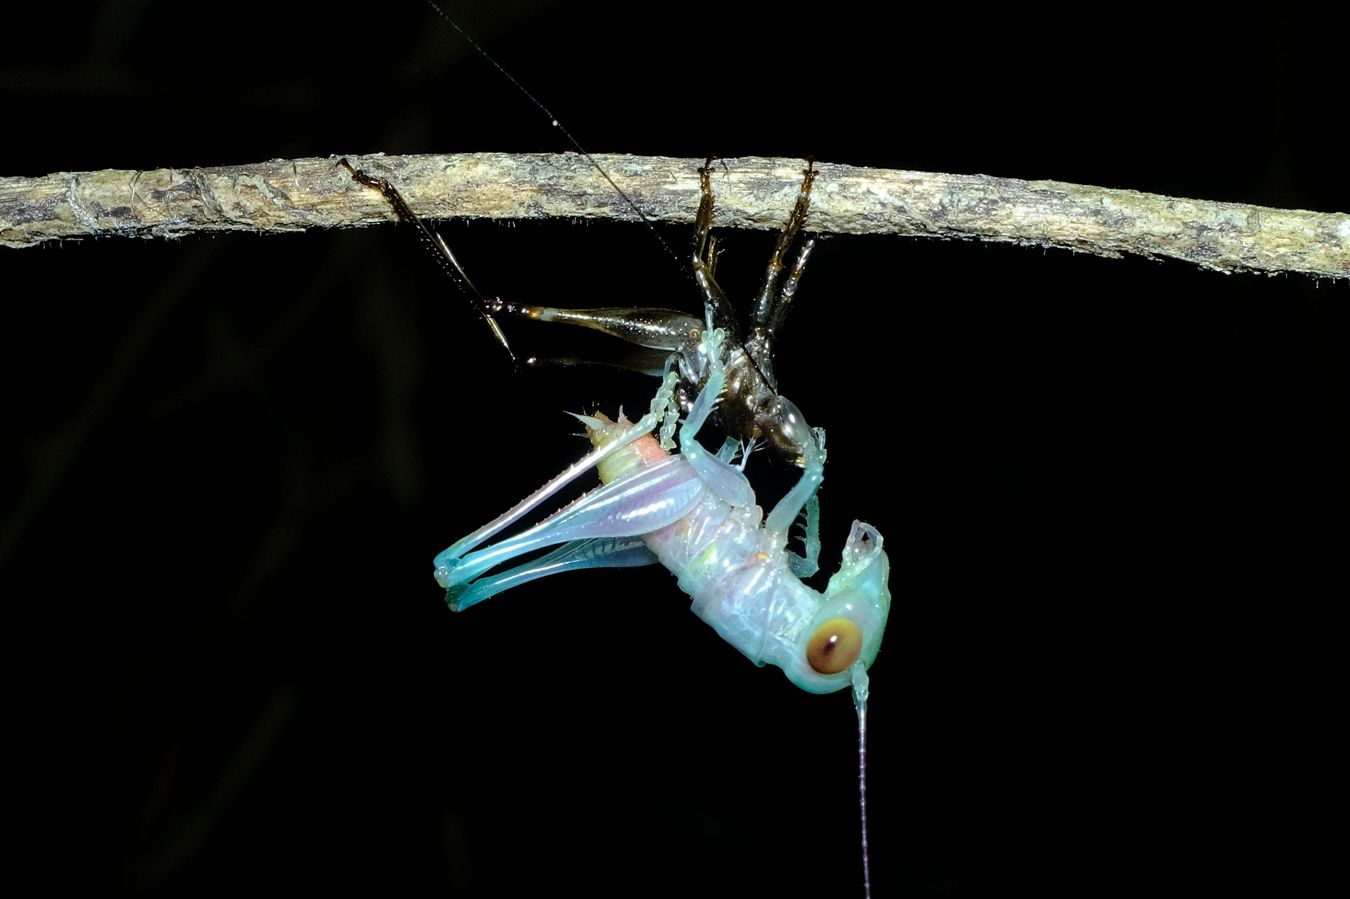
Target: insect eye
point(834, 646)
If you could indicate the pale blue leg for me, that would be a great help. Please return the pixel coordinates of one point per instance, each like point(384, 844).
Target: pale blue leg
point(809, 563)
point(727, 482)
point(732, 450)
point(645, 501)
point(615, 552)
point(640, 503)
point(785, 513)
point(661, 404)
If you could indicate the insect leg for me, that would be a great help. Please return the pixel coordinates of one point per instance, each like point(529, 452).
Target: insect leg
point(772, 303)
point(647, 499)
point(725, 480)
point(808, 563)
point(660, 409)
point(785, 513)
point(598, 552)
point(717, 308)
point(436, 244)
point(622, 508)
point(664, 331)
point(785, 297)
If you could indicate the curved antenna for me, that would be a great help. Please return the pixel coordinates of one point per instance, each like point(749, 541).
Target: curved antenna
point(557, 123)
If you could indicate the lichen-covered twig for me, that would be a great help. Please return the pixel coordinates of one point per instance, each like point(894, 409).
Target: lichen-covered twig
point(295, 194)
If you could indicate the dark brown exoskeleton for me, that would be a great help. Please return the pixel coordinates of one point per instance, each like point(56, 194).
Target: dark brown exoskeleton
point(750, 408)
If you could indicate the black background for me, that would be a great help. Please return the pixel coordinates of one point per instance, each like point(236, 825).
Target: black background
point(1114, 492)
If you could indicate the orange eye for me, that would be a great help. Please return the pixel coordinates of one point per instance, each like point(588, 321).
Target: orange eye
point(834, 646)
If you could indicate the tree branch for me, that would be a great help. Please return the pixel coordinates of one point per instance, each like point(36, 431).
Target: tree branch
point(293, 195)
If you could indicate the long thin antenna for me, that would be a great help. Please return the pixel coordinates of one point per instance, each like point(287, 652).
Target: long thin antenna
point(556, 123)
point(860, 692)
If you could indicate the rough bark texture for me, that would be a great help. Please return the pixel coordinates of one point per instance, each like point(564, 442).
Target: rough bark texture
point(293, 195)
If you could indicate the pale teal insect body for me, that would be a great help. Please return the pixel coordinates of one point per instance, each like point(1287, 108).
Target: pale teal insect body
point(695, 512)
